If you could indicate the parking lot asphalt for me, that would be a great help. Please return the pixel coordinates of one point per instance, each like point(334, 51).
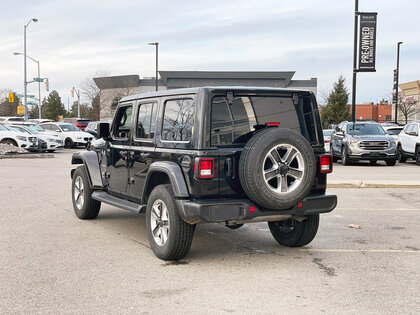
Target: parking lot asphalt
point(53, 262)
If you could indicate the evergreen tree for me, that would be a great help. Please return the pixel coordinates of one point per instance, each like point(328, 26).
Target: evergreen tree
point(85, 110)
point(337, 108)
point(53, 106)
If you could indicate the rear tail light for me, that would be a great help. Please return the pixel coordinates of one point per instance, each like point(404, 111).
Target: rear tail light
point(326, 140)
point(326, 164)
point(206, 168)
point(273, 123)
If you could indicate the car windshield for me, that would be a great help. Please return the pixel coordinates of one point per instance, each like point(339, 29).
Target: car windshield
point(393, 132)
point(2, 128)
point(13, 128)
point(328, 133)
point(365, 129)
point(69, 127)
point(36, 128)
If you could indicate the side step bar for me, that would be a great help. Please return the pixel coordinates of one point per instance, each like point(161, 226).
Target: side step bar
point(104, 197)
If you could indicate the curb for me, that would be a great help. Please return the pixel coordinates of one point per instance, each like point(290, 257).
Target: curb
point(26, 156)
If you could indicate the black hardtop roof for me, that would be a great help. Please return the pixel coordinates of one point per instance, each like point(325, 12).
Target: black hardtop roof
point(209, 89)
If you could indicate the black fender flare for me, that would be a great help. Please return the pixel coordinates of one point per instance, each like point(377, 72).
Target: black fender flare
point(176, 177)
point(90, 160)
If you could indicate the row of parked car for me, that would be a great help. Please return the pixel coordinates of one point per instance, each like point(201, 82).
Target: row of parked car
point(42, 135)
point(371, 141)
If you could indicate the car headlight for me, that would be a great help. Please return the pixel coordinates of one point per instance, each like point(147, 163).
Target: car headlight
point(352, 142)
point(392, 143)
point(21, 138)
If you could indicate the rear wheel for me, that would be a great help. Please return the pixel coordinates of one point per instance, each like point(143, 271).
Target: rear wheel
point(292, 233)
point(169, 236)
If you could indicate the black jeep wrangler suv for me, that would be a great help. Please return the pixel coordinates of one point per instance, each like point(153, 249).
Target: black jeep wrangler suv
point(228, 155)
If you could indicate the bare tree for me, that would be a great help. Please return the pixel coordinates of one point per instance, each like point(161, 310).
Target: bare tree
point(406, 107)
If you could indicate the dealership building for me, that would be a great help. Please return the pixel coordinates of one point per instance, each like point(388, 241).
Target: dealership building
point(115, 87)
point(410, 94)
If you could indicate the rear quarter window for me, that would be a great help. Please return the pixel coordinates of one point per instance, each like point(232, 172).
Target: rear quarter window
point(178, 120)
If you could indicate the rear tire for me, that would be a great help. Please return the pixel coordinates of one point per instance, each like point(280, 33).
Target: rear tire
point(292, 233)
point(81, 195)
point(169, 236)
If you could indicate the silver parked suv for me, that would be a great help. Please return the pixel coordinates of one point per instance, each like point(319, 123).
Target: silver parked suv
point(409, 142)
point(362, 141)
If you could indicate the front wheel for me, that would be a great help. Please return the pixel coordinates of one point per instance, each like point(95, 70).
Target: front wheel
point(293, 233)
point(344, 157)
point(391, 162)
point(68, 143)
point(84, 206)
point(169, 236)
point(418, 155)
point(400, 155)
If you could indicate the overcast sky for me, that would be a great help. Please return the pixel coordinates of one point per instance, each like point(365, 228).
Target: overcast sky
point(74, 39)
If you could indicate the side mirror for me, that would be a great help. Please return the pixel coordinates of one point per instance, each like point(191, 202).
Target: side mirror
point(413, 133)
point(103, 130)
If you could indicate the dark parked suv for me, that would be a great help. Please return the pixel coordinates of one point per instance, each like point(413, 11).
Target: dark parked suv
point(228, 155)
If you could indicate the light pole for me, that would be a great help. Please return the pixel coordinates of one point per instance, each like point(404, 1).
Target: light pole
point(157, 58)
point(396, 81)
point(73, 90)
point(39, 83)
point(24, 65)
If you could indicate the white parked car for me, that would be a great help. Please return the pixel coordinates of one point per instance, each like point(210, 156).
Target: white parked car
point(409, 143)
point(50, 142)
point(70, 134)
point(327, 139)
point(18, 139)
point(39, 121)
point(8, 119)
point(393, 130)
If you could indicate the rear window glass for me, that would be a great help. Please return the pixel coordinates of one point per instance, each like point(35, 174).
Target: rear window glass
point(83, 122)
point(235, 123)
point(17, 119)
point(178, 120)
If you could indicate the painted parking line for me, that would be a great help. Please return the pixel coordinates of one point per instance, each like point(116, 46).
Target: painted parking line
point(327, 250)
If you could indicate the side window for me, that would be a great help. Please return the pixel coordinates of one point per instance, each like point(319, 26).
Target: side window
point(146, 121)
point(178, 119)
point(408, 128)
point(415, 129)
point(221, 122)
point(121, 129)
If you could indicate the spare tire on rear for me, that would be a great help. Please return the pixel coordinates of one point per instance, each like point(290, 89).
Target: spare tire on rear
point(277, 168)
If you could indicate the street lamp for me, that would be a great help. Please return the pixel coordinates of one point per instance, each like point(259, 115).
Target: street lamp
point(157, 53)
point(24, 65)
point(396, 81)
point(39, 83)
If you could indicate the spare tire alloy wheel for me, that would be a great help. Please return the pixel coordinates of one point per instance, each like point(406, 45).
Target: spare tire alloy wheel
point(283, 168)
point(277, 168)
point(78, 192)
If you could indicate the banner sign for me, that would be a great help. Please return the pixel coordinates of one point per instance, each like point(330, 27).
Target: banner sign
point(367, 41)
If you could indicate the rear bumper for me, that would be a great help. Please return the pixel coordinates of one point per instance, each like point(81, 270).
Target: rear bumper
point(238, 210)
